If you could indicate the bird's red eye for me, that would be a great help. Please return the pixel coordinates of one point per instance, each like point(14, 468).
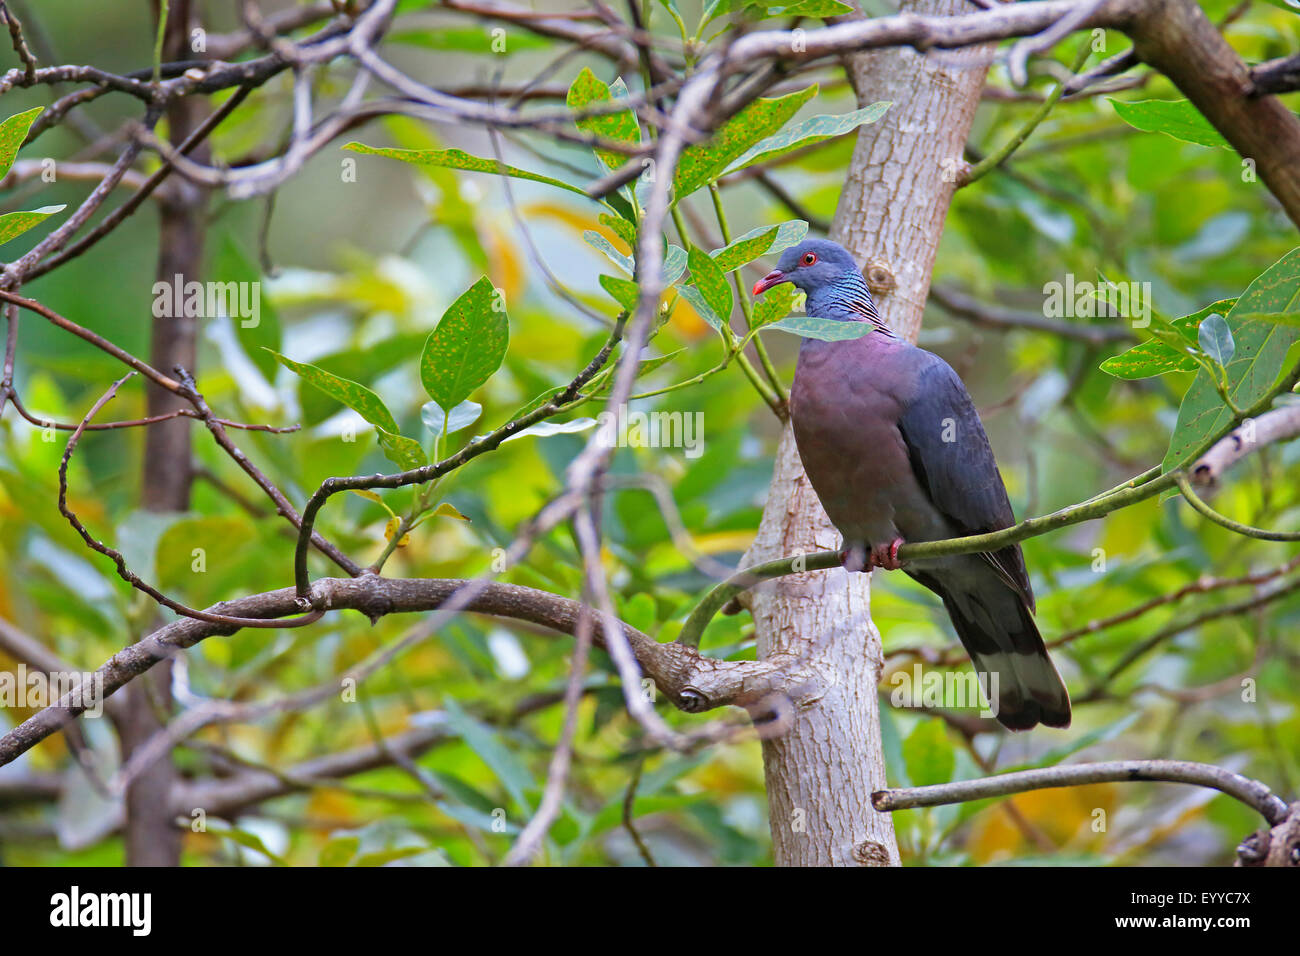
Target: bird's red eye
point(809, 258)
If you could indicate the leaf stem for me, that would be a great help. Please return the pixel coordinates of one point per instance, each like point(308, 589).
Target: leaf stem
point(996, 158)
point(746, 308)
point(1195, 500)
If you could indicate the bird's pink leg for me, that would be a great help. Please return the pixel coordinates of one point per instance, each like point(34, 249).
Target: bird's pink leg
point(885, 556)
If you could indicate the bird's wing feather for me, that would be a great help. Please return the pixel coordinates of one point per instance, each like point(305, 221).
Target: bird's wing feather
point(952, 460)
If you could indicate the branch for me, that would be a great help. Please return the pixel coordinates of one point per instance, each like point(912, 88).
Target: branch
point(1250, 792)
point(125, 573)
point(967, 307)
point(691, 682)
point(1280, 424)
point(1138, 489)
point(332, 486)
point(1193, 499)
point(1147, 485)
point(1276, 76)
point(19, 42)
point(1003, 153)
point(186, 390)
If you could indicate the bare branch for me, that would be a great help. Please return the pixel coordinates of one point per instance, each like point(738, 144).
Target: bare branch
point(1280, 424)
point(691, 682)
point(1250, 792)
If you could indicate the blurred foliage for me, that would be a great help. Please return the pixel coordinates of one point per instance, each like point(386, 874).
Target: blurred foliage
point(363, 270)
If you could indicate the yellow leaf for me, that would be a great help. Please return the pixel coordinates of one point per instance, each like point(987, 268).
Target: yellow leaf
point(448, 511)
point(578, 221)
point(371, 496)
point(724, 541)
point(507, 269)
point(390, 529)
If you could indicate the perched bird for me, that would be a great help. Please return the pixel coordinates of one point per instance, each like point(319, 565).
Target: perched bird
point(896, 452)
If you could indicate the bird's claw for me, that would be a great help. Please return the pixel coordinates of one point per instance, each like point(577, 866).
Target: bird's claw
point(885, 556)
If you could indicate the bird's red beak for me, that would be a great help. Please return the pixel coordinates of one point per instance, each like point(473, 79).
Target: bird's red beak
point(775, 277)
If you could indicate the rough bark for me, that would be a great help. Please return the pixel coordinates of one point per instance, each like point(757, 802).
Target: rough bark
point(151, 839)
point(821, 773)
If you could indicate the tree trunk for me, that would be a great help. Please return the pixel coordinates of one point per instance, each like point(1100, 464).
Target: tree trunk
point(823, 767)
point(151, 837)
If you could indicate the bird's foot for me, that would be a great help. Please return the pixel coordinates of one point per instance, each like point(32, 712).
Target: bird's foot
point(855, 558)
point(885, 556)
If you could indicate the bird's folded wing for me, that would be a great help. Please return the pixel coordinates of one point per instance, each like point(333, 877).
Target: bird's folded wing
point(952, 460)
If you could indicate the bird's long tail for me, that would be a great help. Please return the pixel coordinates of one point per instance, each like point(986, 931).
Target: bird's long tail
point(999, 633)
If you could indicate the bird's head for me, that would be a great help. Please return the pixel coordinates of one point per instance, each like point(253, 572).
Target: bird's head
point(813, 264)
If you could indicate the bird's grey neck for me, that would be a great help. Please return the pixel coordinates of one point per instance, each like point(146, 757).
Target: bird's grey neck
point(848, 300)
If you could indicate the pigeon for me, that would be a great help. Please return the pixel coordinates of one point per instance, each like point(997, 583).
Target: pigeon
point(896, 452)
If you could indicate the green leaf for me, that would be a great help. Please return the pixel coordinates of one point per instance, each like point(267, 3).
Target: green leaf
point(745, 249)
point(359, 365)
point(459, 159)
point(1176, 118)
point(622, 127)
point(674, 263)
point(1156, 356)
point(404, 452)
point(622, 291)
point(1275, 295)
point(603, 245)
point(773, 305)
point(462, 416)
point(828, 330)
point(701, 305)
point(380, 857)
point(703, 162)
point(714, 9)
point(674, 257)
point(810, 131)
point(763, 241)
point(547, 429)
point(1215, 339)
point(712, 283)
point(487, 744)
point(467, 347)
point(355, 396)
point(339, 851)
point(12, 133)
point(619, 227)
point(819, 9)
point(14, 224)
point(248, 840)
point(1261, 348)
